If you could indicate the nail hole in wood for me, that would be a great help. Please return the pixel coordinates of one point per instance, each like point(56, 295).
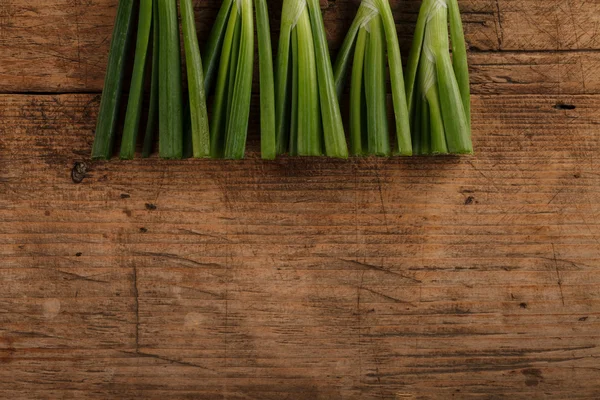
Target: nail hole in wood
point(561, 106)
point(78, 172)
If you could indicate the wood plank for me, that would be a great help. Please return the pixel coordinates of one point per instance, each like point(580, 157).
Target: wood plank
point(307, 279)
point(62, 46)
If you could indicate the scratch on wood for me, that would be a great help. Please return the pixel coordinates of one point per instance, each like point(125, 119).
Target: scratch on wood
point(194, 232)
point(377, 365)
point(359, 323)
point(169, 360)
point(137, 308)
point(559, 281)
point(176, 257)
point(379, 268)
point(383, 210)
point(484, 176)
point(500, 32)
point(554, 197)
point(72, 275)
point(385, 296)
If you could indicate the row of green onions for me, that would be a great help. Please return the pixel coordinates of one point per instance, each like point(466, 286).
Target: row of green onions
point(299, 94)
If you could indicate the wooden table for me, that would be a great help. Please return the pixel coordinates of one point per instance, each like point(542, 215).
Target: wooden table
point(404, 278)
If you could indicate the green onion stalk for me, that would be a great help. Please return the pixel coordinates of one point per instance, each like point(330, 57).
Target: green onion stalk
point(170, 100)
point(136, 92)
point(437, 82)
point(308, 117)
point(157, 24)
point(198, 114)
point(153, 107)
point(228, 66)
point(113, 82)
point(371, 40)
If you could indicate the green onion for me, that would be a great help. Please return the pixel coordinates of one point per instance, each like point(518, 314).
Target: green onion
point(293, 141)
point(357, 100)
point(169, 86)
point(267, 84)
point(237, 124)
point(397, 79)
point(134, 106)
point(212, 52)
point(335, 140)
point(283, 73)
point(152, 110)
point(343, 58)
point(217, 126)
point(111, 95)
point(438, 86)
point(459, 57)
point(377, 124)
point(231, 49)
point(308, 135)
point(195, 75)
point(373, 35)
point(306, 90)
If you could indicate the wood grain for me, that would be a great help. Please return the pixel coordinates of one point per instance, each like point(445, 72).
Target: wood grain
point(62, 46)
point(406, 278)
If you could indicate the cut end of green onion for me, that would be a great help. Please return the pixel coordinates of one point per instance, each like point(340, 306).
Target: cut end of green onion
point(374, 40)
point(438, 83)
point(308, 117)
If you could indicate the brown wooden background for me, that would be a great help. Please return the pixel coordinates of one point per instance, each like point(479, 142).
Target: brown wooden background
point(420, 278)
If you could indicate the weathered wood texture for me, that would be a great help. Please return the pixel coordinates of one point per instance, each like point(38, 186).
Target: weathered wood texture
point(421, 278)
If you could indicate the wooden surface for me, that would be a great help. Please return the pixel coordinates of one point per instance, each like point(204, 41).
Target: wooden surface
point(421, 278)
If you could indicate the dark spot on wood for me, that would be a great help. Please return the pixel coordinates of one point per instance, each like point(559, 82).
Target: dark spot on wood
point(127, 212)
point(582, 319)
point(104, 178)
point(523, 305)
point(533, 376)
point(79, 171)
point(532, 372)
point(150, 207)
point(562, 106)
point(47, 213)
point(577, 176)
point(78, 254)
point(21, 246)
point(469, 200)
point(125, 196)
point(7, 350)
point(143, 230)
